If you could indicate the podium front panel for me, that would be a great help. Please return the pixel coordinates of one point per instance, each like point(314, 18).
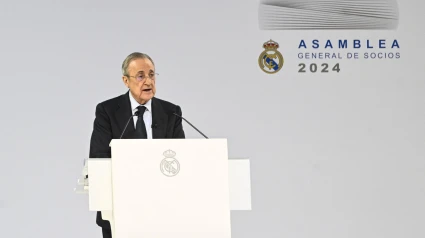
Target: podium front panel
point(170, 188)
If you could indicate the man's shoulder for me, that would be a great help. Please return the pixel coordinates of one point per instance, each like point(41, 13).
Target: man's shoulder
point(111, 104)
point(166, 104)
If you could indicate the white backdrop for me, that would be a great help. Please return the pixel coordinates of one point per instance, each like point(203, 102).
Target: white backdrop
point(333, 154)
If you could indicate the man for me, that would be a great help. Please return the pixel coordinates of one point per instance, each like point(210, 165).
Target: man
point(155, 117)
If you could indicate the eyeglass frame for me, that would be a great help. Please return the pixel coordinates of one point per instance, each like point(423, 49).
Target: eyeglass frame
point(144, 77)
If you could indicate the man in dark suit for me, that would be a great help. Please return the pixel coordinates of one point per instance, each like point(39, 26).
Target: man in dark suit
point(155, 117)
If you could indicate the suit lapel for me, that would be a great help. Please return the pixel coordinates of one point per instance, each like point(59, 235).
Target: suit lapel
point(122, 115)
point(159, 120)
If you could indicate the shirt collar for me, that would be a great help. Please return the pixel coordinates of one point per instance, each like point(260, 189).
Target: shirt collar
point(135, 104)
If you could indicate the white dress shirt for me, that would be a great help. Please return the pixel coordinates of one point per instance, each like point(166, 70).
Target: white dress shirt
point(147, 116)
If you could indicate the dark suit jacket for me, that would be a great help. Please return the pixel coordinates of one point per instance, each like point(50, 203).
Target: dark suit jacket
point(112, 116)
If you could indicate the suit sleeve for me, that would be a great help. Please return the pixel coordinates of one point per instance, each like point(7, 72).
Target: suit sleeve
point(178, 127)
point(101, 135)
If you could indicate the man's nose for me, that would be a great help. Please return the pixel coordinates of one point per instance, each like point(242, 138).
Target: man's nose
point(148, 81)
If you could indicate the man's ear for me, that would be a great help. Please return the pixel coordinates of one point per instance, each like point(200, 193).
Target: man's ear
point(125, 81)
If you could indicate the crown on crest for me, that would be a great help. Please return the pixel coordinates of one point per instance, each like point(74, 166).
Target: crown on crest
point(169, 153)
point(270, 45)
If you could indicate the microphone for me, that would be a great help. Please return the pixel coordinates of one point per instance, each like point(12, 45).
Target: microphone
point(190, 124)
point(135, 114)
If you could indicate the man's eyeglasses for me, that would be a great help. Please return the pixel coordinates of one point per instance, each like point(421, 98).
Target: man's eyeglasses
point(141, 77)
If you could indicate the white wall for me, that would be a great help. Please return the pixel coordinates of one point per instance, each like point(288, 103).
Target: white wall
point(333, 155)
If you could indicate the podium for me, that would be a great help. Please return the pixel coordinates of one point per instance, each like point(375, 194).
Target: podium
point(163, 188)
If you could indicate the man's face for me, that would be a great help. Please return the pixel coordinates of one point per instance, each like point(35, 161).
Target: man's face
point(141, 80)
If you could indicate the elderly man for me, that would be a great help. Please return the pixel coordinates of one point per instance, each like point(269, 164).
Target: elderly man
point(155, 117)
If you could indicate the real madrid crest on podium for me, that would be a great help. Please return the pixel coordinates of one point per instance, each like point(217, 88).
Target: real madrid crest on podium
point(170, 166)
point(270, 60)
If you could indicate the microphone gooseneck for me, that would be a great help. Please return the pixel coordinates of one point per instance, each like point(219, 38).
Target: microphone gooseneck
point(135, 114)
point(190, 124)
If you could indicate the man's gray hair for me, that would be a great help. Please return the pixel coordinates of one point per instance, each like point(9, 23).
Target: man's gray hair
point(131, 57)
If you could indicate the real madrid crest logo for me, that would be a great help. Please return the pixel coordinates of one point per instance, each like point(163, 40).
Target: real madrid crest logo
point(170, 166)
point(270, 60)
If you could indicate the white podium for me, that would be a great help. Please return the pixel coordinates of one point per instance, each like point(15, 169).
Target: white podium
point(163, 188)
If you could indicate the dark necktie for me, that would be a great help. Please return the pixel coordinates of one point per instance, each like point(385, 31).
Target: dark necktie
point(140, 125)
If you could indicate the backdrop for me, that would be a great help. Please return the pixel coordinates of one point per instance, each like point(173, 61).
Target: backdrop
point(335, 152)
